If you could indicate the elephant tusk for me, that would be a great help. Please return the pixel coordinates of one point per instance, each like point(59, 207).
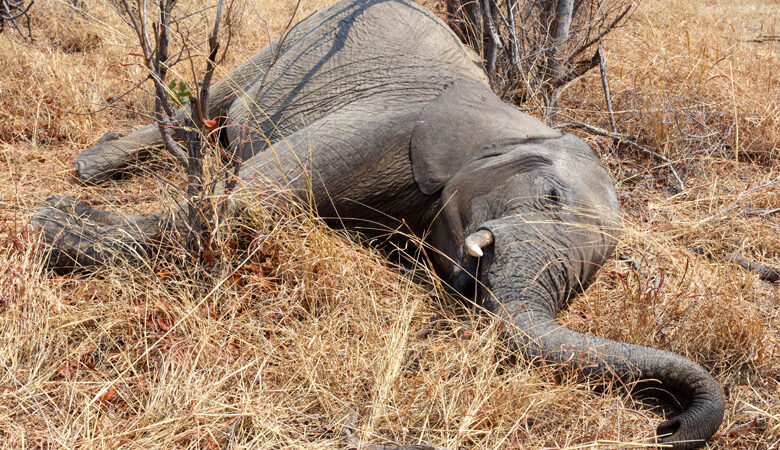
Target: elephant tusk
point(477, 241)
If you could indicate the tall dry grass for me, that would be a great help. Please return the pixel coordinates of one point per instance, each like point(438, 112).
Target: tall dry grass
point(299, 337)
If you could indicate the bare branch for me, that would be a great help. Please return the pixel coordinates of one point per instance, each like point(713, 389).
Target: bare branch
point(766, 38)
point(166, 125)
point(559, 34)
point(494, 40)
point(766, 273)
point(602, 33)
point(577, 70)
point(759, 212)
point(605, 86)
point(202, 113)
point(532, 48)
point(10, 11)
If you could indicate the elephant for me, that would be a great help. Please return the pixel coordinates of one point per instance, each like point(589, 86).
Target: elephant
point(375, 112)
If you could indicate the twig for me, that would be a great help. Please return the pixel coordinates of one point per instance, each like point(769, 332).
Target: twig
point(489, 25)
point(157, 63)
point(579, 69)
point(603, 32)
point(10, 10)
point(628, 140)
point(605, 86)
point(766, 38)
point(766, 273)
point(513, 49)
point(211, 64)
point(736, 203)
point(287, 31)
point(759, 212)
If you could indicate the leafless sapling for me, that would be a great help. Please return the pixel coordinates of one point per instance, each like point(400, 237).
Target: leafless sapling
point(186, 140)
point(533, 48)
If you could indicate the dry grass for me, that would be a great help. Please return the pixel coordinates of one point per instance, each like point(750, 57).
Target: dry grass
point(305, 337)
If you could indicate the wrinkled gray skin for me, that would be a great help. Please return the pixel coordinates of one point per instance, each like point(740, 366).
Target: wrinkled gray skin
point(374, 110)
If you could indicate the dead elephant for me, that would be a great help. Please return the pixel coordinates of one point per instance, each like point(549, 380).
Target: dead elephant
point(389, 114)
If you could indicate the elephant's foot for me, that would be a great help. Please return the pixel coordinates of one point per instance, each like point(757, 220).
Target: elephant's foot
point(80, 236)
point(106, 158)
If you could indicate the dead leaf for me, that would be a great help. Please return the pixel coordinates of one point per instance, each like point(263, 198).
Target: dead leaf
point(162, 324)
point(108, 395)
point(210, 124)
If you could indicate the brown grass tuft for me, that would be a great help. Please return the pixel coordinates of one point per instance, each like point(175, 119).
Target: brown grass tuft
point(687, 79)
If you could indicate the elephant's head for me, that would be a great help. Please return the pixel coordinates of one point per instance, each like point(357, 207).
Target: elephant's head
point(527, 217)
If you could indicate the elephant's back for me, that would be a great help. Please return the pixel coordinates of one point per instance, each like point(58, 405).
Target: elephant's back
point(390, 52)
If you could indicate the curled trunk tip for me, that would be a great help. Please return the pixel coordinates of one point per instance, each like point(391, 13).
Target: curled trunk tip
point(702, 399)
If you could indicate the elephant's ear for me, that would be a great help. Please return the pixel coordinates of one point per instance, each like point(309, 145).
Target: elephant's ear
point(467, 119)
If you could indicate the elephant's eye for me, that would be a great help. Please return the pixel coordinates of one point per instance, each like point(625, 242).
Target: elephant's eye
point(552, 198)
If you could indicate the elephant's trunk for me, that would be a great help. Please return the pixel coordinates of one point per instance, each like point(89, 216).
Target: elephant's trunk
point(700, 397)
point(527, 281)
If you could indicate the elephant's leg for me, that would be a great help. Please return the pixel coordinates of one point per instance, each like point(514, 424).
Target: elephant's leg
point(87, 213)
point(79, 236)
point(107, 157)
point(353, 155)
point(359, 153)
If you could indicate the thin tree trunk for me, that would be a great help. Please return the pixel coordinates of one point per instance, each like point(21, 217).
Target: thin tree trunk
point(493, 40)
point(560, 35)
